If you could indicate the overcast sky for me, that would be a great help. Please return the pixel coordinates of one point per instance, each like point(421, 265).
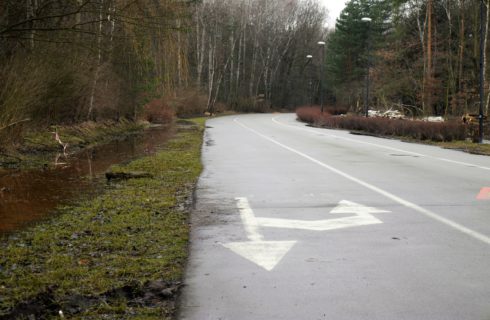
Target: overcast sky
point(334, 7)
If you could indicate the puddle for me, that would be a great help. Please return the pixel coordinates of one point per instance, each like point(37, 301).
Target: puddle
point(30, 196)
point(403, 155)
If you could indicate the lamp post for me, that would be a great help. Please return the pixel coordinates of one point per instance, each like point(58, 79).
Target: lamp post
point(322, 46)
point(482, 80)
point(309, 94)
point(366, 97)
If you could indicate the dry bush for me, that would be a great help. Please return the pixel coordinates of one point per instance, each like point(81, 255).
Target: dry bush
point(37, 88)
point(420, 130)
point(158, 111)
point(220, 107)
point(313, 114)
point(249, 105)
point(189, 103)
point(335, 110)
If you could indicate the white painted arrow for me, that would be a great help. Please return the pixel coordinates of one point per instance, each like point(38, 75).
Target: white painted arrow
point(362, 217)
point(266, 254)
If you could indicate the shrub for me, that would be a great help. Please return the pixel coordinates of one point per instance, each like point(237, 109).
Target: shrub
point(189, 103)
point(420, 130)
point(158, 111)
point(311, 114)
point(249, 104)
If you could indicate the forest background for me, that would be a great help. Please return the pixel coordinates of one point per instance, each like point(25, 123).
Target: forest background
point(70, 61)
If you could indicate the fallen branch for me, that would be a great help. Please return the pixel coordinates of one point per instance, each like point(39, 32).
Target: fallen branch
point(14, 123)
point(127, 175)
point(57, 138)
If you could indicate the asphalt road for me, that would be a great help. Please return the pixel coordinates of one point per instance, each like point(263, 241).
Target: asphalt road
point(293, 222)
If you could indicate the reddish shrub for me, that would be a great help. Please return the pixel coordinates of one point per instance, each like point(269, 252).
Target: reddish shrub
point(311, 114)
point(158, 111)
point(420, 130)
point(335, 110)
point(189, 103)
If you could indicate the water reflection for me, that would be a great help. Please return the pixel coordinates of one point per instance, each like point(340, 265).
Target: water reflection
point(29, 196)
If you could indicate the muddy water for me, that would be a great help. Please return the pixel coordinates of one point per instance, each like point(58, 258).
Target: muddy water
point(30, 196)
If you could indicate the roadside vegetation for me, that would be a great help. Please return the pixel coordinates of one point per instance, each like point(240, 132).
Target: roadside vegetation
point(448, 134)
point(37, 145)
point(118, 255)
point(65, 62)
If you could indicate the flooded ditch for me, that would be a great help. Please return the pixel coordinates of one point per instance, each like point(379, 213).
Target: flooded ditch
point(30, 196)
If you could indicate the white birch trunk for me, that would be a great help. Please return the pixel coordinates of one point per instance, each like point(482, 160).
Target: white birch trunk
point(232, 66)
point(200, 46)
point(98, 62)
point(211, 71)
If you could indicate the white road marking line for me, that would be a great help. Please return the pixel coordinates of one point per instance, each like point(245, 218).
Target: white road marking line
point(249, 220)
point(466, 164)
point(266, 254)
point(363, 216)
point(380, 191)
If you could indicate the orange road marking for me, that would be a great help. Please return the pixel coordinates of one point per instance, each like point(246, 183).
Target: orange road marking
point(484, 194)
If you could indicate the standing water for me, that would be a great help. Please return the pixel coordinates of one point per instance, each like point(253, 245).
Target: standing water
point(30, 196)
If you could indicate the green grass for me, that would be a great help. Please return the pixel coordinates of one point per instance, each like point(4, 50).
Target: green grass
point(135, 231)
point(460, 145)
point(467, 146)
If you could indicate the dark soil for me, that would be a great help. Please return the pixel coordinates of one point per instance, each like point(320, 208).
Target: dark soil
point(152, 294)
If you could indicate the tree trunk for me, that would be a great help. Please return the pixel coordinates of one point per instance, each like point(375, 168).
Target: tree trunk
point(462, 41)
point(485, 64)
point(421, 32)
point(232, 68)
point(430, 80)
point(31, 7)
point(451, 90)
point(253, 67)
point(200, 46)
point(211, 71)
point(97, 62)
point(179, 54)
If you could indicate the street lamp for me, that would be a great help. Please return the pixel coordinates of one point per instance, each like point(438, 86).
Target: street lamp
point(482, 80)
point(309, 94)
point(366, 97)
point(322, 45)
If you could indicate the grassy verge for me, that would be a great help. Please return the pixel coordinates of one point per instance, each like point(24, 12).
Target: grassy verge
point(120, 255)
point(36, 145)
point(466, 146)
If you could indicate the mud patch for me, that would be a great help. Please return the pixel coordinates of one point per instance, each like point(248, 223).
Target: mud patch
point(152, 294)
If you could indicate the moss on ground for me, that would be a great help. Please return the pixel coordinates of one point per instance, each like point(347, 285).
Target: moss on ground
point(128, 238)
